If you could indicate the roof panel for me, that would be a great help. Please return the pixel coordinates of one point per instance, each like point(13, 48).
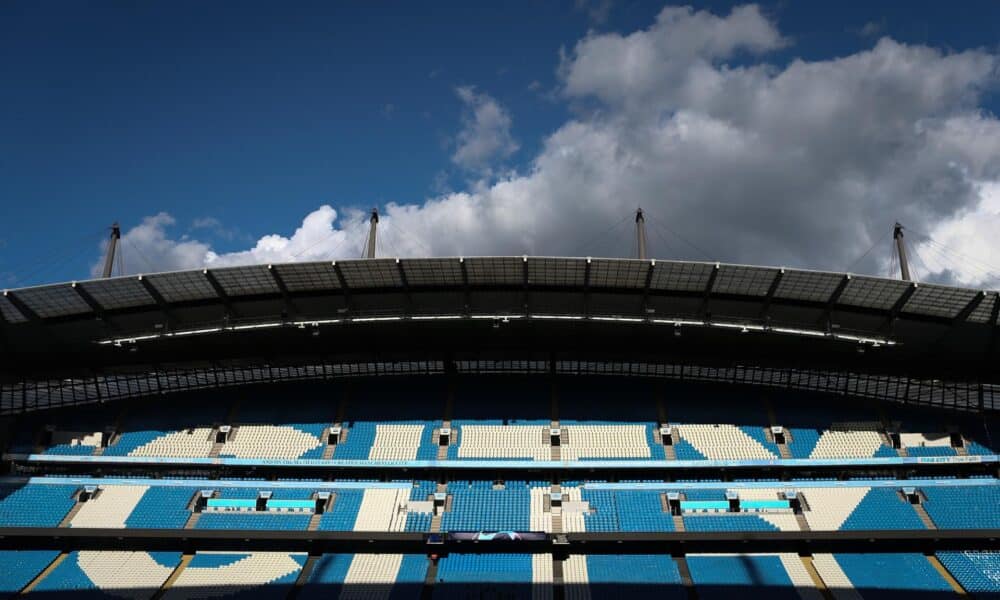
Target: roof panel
point(53, 300)
point(568, 272)
point(984, 312)
point(811, 286)
point(371, 273)
point(183, 286)
point(246, 281)
point(120, 292)
point(869, 292)
point(432, 271)
point(745, 281)
point(681, 276)
point(9, 312)
point(618, 273)
point(307, 277)
point(495, 271)
point(938, 301)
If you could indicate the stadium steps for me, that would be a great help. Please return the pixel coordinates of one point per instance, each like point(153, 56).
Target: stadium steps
point(800, 518)
point(555, 451)
point(924, 517)
point(686, 580)
point(303, 577)
point(192, 521)
point(962, 450)
point(557, 520)
point(432, 571)
point(185, 561)
point(807, 562)
point(946, 575)
point(45, 572)
point(331, 448)
point(443, 450)
point(678, 523)
point(558, 589)
point(72, 513)
point(314, 522)
point(769, 432)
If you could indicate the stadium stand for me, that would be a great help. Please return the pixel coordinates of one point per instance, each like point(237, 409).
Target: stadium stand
point(366, 576)
point(606, 576)
point(20, 567)
point(262, 574)
point(977, 572)
point(493, 576)
point(771, 576)
point(881, 576)
point(110, 574)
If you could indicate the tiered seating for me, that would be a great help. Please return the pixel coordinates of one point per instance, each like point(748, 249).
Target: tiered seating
point(162, 508)
point(219, 575)
point(609, 440)
point(253, 521)
point(35, 505)
point(344, 513)
point(289, 423)
point(463, 576)
point(963, 507)
point(183, 431)
point(752, 575)
point(818, 428)
point(117, 574)
point(883, 508)
point(111, 508)
point(902, 576)
point(476, 506)
point(718, 426)
point(977, 572)
point(21, 566)
point(270, 441)
point(478, 439)
point(600, 577)
point(727, 522)
point(606, 418)
point(366, 577)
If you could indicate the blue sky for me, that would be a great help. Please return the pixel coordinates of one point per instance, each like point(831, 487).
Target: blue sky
point(239, 120)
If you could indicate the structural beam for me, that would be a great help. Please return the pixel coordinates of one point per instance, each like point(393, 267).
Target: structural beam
point(285, 296)
point(22, 307)
point(969, 308)
point(318, 542)
point(832, 301)
point(765, 311)
point(707, 293)
point(157, 297)
point(90, 300)
point(898, 306)
point(219, 291)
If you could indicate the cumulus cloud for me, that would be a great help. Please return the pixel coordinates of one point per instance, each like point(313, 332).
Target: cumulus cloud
point(804, 164)
point(485, 136)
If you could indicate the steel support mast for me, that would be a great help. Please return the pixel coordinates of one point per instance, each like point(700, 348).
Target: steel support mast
point(640, 233)
point(372, 230)
point(109, 258)
point(904, 265)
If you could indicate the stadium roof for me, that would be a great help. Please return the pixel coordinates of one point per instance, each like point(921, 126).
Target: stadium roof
point(579, 308)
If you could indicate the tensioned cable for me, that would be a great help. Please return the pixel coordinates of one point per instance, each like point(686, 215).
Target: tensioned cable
point(141, 256)
point(656, 223)
point(868, 251)
point(59, 255)
point(987, 267)
point(598, 237)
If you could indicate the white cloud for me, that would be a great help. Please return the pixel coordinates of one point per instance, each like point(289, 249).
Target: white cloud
point(485, 136)
point(803, 165)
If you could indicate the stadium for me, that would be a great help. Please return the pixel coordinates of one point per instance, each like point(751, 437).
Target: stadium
point(499, 427)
